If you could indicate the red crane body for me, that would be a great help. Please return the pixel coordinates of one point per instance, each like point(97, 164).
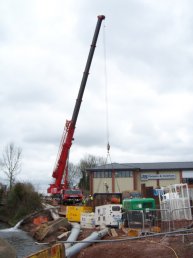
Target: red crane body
point(60, 170)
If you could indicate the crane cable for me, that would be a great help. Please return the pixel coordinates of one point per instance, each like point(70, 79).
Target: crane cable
point(106, 92)
point(106, 109)
point(106, 101)
point(106, 104)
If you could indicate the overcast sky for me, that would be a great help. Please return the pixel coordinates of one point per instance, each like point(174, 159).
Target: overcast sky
point(148, 80)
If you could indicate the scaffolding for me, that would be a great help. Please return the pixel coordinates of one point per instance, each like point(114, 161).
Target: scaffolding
point(175, 203)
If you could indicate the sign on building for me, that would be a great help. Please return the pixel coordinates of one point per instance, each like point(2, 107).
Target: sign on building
point(145, 177)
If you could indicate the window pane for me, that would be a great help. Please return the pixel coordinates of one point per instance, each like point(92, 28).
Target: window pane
point(118, 174)
point(110, 174)
point(116, 208)
point(106, 174)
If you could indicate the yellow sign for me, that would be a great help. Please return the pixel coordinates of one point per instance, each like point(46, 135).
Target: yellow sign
point(56, 251)
point(73, 213)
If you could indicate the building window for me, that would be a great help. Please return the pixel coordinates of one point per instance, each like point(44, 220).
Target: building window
point(124, 174)
point(188, 181)
point(96, 175)
point(103, 174)
point(108, 174)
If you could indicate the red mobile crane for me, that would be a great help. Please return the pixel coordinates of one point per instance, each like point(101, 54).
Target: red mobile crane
point(60, 172)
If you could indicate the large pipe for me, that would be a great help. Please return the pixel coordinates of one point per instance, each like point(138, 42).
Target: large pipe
point(88, 241)
point(73, 235)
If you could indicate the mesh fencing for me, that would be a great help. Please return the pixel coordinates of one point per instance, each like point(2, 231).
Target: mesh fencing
point(159, 220)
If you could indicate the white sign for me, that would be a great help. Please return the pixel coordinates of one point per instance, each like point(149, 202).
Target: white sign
point(157, 176)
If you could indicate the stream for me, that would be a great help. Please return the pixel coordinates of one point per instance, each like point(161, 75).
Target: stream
point(23, 243)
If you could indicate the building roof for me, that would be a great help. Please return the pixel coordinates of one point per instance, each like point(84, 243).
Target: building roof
point(144, 166)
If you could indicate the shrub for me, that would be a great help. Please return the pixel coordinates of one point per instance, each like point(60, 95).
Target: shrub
point(22, 200)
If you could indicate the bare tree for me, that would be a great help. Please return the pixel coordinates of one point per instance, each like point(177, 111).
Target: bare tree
point(11, 162)
point(88, 161)
point(74, 174)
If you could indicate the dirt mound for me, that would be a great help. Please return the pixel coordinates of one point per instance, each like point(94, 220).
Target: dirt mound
point(159, 247)
point(140, 249)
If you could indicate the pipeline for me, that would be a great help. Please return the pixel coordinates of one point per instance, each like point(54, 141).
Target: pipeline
point(123, 239)
point(73, 235)
point(86, 242)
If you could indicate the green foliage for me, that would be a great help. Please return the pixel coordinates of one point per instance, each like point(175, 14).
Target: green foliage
point(1, 195)
point(22, 200)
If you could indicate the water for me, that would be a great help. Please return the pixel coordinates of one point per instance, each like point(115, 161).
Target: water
point(23, 243)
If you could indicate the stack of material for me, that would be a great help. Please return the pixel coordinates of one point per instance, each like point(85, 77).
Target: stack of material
point(50, 227)
point(175, 203)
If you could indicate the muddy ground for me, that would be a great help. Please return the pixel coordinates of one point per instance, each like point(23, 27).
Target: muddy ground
point(143, 248)
point(159, 247)
point(140, 249)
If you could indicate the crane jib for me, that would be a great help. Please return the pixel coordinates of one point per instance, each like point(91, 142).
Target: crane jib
point(58, 173)
point(86, 71)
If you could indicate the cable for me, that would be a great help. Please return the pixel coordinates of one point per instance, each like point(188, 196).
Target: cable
point(106, 88)
point(106, 103)
point(151, 241)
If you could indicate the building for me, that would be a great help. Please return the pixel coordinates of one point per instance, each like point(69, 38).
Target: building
point(139, 177)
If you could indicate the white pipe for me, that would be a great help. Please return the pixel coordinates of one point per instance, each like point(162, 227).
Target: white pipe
point(73, 235)
point(77, 247)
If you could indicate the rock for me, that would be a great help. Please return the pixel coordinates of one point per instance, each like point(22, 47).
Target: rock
point(6, 250)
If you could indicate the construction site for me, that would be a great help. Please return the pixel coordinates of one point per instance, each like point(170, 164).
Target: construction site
point(132, 210)
point(116, 227)
point(110, 222)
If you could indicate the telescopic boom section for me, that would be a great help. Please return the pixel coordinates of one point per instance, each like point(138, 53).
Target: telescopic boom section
point(62, 161)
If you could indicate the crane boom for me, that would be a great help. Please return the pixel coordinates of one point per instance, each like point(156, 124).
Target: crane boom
point(67, 139)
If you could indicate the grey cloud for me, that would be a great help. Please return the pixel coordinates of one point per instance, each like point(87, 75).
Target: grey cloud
point(149, 68)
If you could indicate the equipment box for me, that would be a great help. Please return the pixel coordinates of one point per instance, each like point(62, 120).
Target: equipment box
point(108, 215)
point(73, 213)
point(87, 220)
point(138, 210)
point(138, 204)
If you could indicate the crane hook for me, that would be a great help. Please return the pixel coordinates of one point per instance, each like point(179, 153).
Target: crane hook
point(108, 147)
